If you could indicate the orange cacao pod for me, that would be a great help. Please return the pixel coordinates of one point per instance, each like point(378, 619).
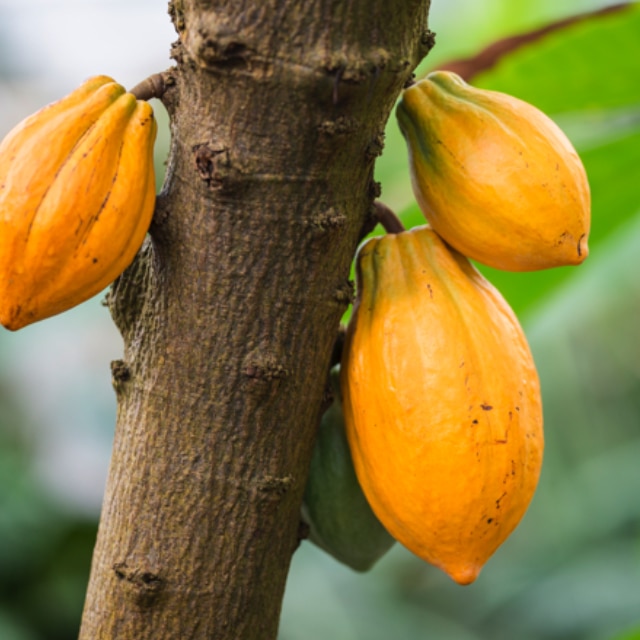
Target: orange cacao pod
point(77, 192)
point(494, 176)
point(441, 402)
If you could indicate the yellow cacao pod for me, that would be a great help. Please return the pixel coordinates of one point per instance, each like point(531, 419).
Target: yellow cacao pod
point(494, 176)
point(441, 402)
point(77, 192)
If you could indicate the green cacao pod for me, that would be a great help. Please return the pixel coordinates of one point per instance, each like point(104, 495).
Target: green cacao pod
point(340, 519)
point(494, 176)
point(77, 192)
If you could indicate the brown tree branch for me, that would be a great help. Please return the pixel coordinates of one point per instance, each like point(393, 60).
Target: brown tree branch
point(229, 314)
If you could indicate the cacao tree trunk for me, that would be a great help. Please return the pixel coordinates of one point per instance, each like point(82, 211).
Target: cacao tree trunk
point(230, 311)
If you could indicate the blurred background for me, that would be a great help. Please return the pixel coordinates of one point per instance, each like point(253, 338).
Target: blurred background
point(571, 570)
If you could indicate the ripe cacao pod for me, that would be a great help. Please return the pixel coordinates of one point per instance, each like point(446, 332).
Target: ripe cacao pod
point(340, 519)
point(441, 402)
point(77, 192)
point(494, 176)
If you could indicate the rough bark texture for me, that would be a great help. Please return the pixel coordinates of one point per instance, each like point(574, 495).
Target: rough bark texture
point(230, 312)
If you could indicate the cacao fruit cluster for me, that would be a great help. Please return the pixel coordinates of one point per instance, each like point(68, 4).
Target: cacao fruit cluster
point(435, 434)
point(440, 393)
point(77, 192)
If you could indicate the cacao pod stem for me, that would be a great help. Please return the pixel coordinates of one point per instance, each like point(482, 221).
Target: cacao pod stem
point(336, 354)
point(387, 218)
point(152, 87)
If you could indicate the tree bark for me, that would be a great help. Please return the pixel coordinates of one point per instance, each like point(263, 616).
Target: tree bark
point(230, 311)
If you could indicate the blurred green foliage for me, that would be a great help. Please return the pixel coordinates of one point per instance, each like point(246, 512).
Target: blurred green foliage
point(45, 552)
point(571, 571)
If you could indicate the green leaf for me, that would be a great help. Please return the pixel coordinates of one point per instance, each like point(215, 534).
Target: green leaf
point(591, 65)
point(628, 635)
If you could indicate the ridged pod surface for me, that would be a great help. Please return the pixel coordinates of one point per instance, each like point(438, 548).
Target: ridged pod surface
point(340, 519)
point(441, 402)
point(77, 193)
point(494, 176)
